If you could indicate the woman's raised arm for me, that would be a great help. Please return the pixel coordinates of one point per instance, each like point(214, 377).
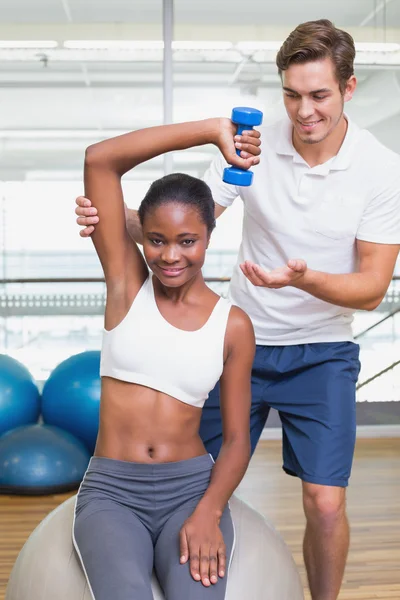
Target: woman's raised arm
point(107, 161)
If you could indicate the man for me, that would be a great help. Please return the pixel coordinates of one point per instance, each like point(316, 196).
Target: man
point(325, 204)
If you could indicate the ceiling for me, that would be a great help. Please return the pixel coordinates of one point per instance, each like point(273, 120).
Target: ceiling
point(205, 12)
point(54, 102)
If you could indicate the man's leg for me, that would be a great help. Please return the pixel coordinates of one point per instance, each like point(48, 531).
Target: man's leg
point(315, 397)
point(326, 539)
point(211, 422)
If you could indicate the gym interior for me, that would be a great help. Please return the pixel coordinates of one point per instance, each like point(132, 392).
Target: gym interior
point(74, 72)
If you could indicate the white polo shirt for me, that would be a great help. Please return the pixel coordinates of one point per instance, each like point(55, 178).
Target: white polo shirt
point(294, 211)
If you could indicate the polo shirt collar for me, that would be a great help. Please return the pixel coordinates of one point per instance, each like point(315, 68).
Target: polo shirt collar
point(341, 161)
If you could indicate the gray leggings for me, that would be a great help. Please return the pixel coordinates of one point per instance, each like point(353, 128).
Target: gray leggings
point(127, 522)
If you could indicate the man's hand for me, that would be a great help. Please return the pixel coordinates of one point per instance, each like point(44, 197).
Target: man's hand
point(87, 216)
point(202, 544)
point(248, 143)
point(290, 274)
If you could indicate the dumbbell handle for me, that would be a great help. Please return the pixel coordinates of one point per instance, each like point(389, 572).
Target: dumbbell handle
point(240, 129)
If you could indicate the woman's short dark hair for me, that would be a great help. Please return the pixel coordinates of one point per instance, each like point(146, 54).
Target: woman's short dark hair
point(182, 189)
point(317, 40)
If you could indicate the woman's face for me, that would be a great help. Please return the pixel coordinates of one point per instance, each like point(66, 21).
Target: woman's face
point(174, 243)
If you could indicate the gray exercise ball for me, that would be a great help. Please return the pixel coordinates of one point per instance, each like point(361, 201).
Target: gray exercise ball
point(47, 567)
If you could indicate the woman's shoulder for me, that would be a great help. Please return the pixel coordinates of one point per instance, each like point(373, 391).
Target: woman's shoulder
point(239, 324)
point(240, 341)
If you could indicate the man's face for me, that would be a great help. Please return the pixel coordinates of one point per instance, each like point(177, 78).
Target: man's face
point(313, 99)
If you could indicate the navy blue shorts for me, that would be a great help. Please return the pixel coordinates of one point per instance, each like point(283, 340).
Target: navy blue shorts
point(313, 387)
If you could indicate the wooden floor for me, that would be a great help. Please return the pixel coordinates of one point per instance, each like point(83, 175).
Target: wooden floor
point(373, 570)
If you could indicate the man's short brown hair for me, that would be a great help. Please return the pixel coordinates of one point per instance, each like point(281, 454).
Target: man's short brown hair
point(317, 40)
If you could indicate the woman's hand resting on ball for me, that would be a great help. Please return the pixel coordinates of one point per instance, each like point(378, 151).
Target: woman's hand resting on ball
point(202, 544)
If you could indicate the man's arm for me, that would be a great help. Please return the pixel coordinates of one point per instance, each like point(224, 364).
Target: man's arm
point(133, 225)
point(363, 290)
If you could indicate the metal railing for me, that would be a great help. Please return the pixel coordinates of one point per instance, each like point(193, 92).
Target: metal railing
point(17, 302)
point(378, 374)
point(59, 304)
point(375, 325)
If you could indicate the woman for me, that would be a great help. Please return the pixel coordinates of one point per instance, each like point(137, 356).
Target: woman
point(152, 496)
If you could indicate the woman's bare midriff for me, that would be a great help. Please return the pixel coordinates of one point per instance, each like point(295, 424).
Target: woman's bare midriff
point(139, 424)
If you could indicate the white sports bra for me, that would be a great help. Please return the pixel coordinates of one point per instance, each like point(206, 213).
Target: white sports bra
point(146, 349)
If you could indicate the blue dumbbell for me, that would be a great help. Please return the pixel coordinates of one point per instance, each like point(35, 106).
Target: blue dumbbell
point(245, 118)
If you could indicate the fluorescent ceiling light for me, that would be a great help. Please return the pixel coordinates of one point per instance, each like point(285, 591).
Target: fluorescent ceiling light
point(114, 44)
point(28, 44)
point(376, 47)
point(145, 45)
point(258, 46)
point(53, 175)
point(360, 46)
point(199, 45)
point(36, 134)
point(246, 46)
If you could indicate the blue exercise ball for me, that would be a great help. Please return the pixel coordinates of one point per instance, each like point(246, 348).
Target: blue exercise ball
point(71, 397)
point(19, 395)
point(41, 459)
